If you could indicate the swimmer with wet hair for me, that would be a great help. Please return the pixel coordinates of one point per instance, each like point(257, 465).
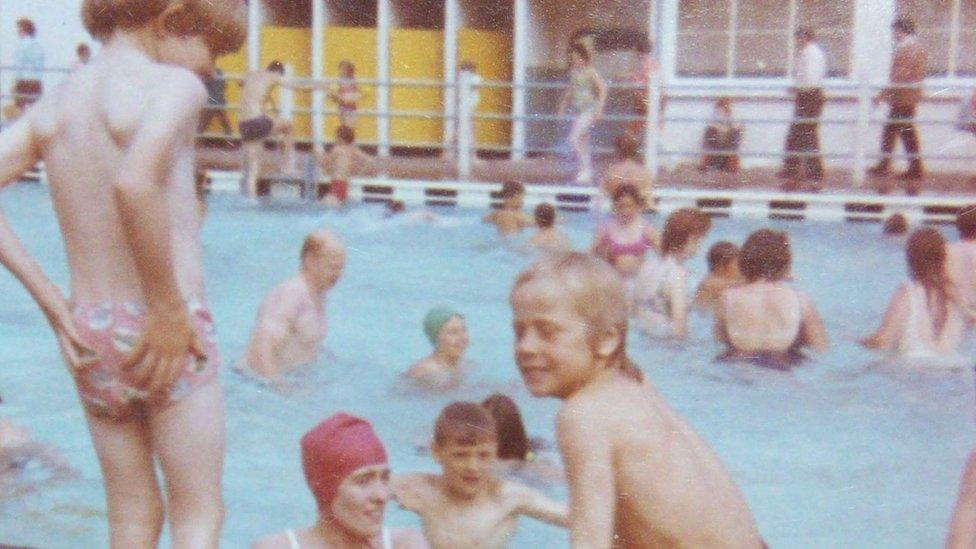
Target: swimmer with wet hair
point(343, 161)
point(723, 273)
point(510, 219)
point(661, 287)
point(961, 264)
point(291, 322)
point(467, 505)
point(548, 238)
point(347, 470)
point(768, 319)
point(638, 475)
point(625, 238)
point(445, 368)
point(895, 225)
point(116, 139)
point(924, 318)
point(518, 455)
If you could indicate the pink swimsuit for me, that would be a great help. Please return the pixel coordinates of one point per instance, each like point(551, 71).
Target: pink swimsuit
point(615, 249)
point(112, 330)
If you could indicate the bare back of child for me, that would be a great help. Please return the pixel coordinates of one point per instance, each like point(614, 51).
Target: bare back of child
point(116, 138)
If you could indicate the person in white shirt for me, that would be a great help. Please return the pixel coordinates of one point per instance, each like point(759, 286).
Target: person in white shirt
point(803, 139)
point(466, 106)
point(29, 64)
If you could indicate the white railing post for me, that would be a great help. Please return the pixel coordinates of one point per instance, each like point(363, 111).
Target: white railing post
point(861, 131)
point(652, 119)
point(465, 124)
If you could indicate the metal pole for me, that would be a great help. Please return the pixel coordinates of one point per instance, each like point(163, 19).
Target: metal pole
point(253, 35)
point(861, 131)
point(318, 67)
point(465, 125)
point(651, 121)
point(520, 48)
point(451, 24)
point(383, 20)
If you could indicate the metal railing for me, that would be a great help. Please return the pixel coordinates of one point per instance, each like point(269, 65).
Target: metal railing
point(465, 146)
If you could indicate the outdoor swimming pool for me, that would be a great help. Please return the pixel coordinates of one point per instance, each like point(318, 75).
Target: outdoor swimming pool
point(844, 452)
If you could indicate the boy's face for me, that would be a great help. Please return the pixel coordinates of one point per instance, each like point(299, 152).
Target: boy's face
point(326, 265)
point(468, 469)
point(515, 201)
point(361, 499)
point(553, 347)
point(190, 52)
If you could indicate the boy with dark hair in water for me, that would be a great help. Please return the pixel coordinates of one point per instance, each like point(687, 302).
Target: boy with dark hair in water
point(548, 237)
point(468, 505)
point(723, 272)
point(510, 219)
point(117, 141)
point(344, 160)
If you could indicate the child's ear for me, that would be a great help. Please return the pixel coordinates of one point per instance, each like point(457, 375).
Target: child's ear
point(168, 22)
point(608, 342)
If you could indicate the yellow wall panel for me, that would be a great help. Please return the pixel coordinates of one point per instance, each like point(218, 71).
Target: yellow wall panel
point(416, 54)
point(292, 46)
point(491, 52)
point(357, 45)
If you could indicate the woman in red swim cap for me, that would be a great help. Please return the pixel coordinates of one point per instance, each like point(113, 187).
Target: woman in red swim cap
point(346, 469)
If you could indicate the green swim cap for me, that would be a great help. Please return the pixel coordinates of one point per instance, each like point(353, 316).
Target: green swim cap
point(435, 320)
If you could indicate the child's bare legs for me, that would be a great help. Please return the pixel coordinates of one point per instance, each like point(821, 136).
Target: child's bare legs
point(579, 140)
point(253, 152)
point(189, 441)
point(135, 507)
point(284, 128)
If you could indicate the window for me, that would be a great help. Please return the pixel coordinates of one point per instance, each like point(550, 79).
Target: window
point(947, 28)
point(754, 38)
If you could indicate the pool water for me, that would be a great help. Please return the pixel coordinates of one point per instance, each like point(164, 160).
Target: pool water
point(846, 451)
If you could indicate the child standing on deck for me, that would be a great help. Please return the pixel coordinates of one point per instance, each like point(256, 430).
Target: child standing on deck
point(639, 476)
point(117, 140)
point(468, 505)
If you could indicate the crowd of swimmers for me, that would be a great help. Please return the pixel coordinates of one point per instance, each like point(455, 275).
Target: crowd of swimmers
point(139, 342)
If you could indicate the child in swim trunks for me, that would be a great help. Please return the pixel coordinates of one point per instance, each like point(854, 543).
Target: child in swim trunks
point(468, 505)
point(638, 475)
point(135, 333)
point(345, 159)
point(510, 219)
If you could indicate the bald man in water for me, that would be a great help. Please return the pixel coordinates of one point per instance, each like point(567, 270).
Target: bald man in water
point(291, 322)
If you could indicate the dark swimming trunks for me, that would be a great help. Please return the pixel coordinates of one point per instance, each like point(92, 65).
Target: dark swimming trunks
point(256, 129)
point(774, 360)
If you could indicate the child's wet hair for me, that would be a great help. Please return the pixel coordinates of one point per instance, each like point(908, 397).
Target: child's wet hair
point(598, 295)
point(464, 423)
point(681, 226)
point(222, 23)
point(765, 255)
point(513, 442)
point(966, 222)
point(721, 254)
point(895, 224)
point(545, 215)
point(345, 134)
point(511, 189)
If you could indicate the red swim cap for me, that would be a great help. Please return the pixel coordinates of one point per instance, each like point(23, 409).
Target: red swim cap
point(335, 448)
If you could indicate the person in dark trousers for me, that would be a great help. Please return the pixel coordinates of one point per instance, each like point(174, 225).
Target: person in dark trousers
point(29, 63)
point(909, 67)
point(803, 139)
point(216, 103)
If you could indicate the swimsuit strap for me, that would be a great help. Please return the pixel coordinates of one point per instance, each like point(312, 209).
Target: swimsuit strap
point(292, 539)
